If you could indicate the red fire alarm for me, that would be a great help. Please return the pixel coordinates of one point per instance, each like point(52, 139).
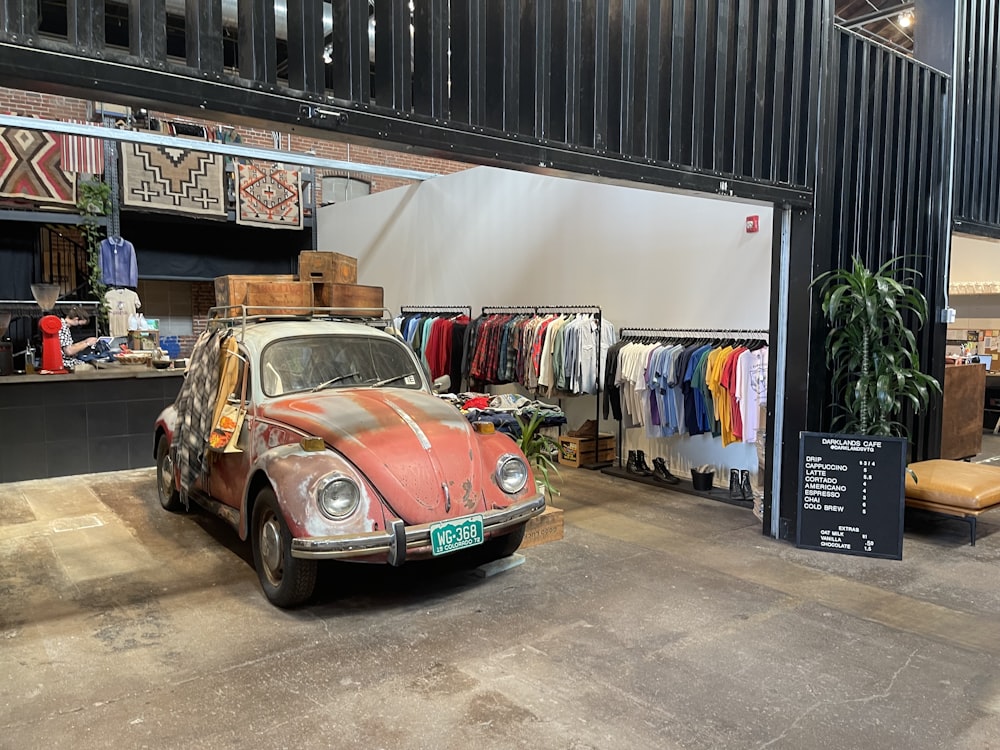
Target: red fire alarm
point(753, 224)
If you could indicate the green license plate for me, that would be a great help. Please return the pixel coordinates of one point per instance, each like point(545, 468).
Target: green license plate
point(450, 536)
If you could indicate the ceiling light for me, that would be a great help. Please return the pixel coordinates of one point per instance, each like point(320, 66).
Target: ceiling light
point(905, 19)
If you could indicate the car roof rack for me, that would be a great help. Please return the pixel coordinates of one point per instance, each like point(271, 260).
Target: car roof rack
point(242, 316)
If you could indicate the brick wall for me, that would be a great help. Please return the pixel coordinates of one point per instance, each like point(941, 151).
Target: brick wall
point(202, 298)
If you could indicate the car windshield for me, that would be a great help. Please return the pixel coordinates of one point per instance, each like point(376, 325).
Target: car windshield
point(318, 362)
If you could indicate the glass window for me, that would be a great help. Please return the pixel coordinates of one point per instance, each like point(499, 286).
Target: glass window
point(308, 362)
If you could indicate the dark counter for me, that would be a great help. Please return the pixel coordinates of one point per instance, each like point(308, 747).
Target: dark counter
point(97, 420)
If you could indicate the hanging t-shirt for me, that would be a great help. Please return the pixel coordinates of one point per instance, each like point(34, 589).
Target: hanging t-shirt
point(121, 305)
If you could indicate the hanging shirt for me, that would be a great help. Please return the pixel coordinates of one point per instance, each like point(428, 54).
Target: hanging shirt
point(751, 390)
point(117, 263)
point(121, 305)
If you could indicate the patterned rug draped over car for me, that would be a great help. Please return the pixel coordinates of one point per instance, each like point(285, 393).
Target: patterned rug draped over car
point(195, 406)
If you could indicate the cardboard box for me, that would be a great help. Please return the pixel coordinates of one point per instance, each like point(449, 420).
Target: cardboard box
point(283, 297)
point(328, 267)
point(139, 341)
point(232, 290)
point(356, 299)
point(547, 527)
point(583, 451)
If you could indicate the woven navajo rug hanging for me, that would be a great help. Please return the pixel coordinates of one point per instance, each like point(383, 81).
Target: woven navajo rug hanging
point(30, 168)
point(166, 178)
point(268, 197)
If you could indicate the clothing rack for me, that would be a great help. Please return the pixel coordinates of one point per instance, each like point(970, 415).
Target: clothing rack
point(632, 333)
point(594, 310)
point(693, 332)
point(697, 333)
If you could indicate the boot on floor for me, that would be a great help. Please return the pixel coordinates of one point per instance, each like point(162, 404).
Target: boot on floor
point(661, 472)
point(641, 465)
point(630, 466)
point(735, 488)
point(745, 489)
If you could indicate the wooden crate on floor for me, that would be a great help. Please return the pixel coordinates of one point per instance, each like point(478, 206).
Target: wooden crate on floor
point(324, 266)
point(361, 300)
point(547, 527)
point(582, 451)
point(232, 290)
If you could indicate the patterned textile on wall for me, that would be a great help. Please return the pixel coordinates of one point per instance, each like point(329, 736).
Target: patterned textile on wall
point(82, 154)
point(166, 178)
point(30, 168)
point(268, 197)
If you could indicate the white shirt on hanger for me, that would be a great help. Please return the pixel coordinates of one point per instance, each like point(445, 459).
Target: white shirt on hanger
point(121, 305)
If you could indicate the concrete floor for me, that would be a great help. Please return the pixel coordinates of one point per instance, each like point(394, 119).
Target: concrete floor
point(660, 621)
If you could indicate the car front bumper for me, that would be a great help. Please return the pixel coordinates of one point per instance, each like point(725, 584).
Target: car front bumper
point(398, 538)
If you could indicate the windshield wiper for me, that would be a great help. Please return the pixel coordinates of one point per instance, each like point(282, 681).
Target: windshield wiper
point(386, 381)
point(331, 381)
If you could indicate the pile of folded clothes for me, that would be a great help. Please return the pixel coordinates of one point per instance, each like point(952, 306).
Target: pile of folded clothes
point(503, 410)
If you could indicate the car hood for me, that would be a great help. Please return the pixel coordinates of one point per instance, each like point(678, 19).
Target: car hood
point(419, 452)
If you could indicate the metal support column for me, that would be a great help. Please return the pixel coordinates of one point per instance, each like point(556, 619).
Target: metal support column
point(257, 50)
point(203, 35)
point(85, 24)
point(148, 30)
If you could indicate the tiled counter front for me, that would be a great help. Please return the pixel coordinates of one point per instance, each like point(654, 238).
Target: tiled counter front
point(56, 425)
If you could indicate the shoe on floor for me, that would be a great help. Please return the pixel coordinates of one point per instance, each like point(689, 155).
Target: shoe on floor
point(661, 472)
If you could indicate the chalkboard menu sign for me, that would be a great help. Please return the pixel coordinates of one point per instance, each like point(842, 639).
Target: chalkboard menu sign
point(851, 494)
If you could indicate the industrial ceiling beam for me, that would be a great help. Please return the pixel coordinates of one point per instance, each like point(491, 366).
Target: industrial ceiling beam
point(227, 149)
point(878, 15)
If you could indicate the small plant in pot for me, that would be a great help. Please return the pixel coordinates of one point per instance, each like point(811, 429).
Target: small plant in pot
point(871, 353)
point(541, 452)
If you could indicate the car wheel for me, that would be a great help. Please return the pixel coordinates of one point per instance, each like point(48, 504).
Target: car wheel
point(500, 547)
point(166, 487)
point(286, 580)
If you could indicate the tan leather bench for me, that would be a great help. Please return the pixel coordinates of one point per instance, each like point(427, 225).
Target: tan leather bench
point(954, 488)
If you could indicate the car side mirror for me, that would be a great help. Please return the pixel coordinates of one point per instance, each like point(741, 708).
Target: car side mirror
point(441, 384)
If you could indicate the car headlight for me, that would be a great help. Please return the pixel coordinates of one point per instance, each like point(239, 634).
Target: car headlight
point(512, 473)
point(339, 497)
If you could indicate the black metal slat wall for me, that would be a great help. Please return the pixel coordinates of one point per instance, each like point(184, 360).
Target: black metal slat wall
point(888, 196)
point(977, 120)
point(716, 87)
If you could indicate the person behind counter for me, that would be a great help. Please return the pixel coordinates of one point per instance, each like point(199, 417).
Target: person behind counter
point(75, 316)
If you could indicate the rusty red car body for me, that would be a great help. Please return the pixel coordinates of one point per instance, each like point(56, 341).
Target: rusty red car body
point(414, 459)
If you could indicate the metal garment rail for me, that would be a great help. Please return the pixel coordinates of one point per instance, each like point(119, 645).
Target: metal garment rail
point(409, 309)
point(638, 334)
point(594, 310)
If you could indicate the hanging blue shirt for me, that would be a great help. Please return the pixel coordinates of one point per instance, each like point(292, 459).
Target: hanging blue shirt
point(117, 263)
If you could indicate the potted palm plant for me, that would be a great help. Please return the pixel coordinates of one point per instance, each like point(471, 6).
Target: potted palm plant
point(871, 351)
point(540, 450)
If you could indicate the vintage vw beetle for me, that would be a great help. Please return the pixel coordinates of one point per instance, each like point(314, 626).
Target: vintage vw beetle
point(320, 439)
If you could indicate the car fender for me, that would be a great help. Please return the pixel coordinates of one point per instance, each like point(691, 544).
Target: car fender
point(295, 475)
point(166, 424)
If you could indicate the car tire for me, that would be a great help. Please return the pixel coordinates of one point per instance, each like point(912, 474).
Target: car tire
point(286, 580)
point(166, 486)
point(500, 547)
